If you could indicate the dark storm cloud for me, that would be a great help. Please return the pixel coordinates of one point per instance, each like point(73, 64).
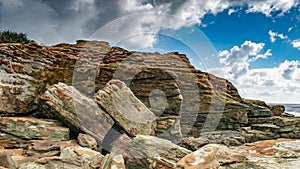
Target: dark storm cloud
point(54, 21)
point(174, 4)
point(107, 11)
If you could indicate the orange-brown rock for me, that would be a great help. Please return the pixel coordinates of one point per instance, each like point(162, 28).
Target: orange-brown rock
point(27, 69)
point(281, 153)
point(87, 141)
point(78, 111)
point(60, 82)
point(148, 152)
point(200, 99)
point(32, 128)
point(128, 111)
point(277, 110)
point(209, 157)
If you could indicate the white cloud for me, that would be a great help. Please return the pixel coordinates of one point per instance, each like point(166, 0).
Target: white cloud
point(237, 60)
point(268, 85)
point(231, 11)
point(296, 43)
point(272, 84)
point(268, 6)
point(65, 21)
point(274, 35)
point(288, 68)
point(278, 84)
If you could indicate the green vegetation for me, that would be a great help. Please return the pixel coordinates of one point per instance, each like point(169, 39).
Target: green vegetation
point(13, 37)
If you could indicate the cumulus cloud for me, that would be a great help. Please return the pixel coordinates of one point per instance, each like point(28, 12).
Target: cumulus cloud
point(267, 7)
point(56, 21)
point(278, 84)
point(288, 68)
point(237, 59)
point(296, 43)
point(274, 35)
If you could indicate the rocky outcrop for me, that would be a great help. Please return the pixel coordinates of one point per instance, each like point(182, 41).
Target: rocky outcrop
point(89, 105)
point(27, 69)
point(167, 84)
point(272, 128)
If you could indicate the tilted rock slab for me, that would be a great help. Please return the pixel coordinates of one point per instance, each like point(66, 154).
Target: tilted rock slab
point(130, 113)
point(78, 111)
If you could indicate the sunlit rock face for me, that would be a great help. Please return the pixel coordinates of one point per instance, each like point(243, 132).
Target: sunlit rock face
point(167, 84)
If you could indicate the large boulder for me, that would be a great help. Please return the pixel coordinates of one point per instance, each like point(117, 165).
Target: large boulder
point(276, 109)
point(77, 111)
point(148, 152)
point(128, 111)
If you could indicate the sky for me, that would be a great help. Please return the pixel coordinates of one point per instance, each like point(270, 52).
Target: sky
point(254, 44)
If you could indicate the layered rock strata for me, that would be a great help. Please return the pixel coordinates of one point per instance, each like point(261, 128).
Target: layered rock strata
point(166, 83)
point(89, 105)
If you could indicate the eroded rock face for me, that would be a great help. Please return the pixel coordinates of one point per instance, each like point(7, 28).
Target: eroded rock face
point(118, 101)
point(27, 69)
point(183, 101)
point(78, 111)
point(187, 92)
point(200, 99)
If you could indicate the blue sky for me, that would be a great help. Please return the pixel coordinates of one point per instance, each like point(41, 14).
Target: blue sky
point(229, 30)
point(276, 33)
point(254, 44)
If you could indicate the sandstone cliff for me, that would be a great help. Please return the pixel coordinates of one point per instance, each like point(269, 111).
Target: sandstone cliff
point(26, 71)
point(135, 107)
